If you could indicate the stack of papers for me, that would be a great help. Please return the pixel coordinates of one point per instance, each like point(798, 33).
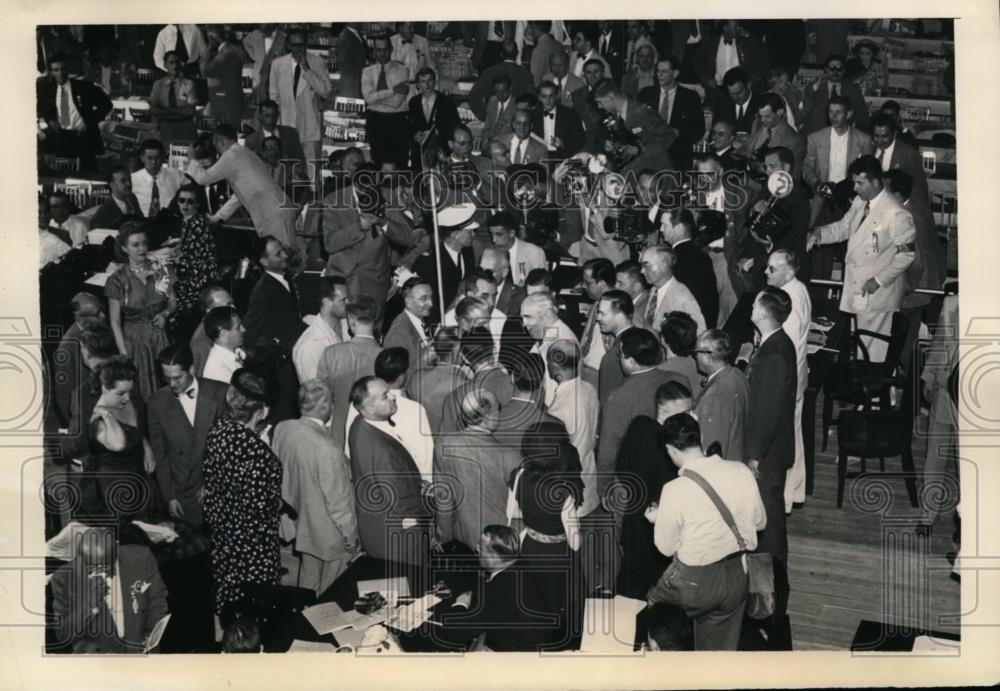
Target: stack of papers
point(329, 618)
point(408, 617)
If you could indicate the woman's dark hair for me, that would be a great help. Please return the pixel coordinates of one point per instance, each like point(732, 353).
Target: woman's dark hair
point(248, 392)
point(242, 636)
point(108, 373)
point(128, 229)
point(550, 456)
point(204, 148)
point(681, 431)
point(680, 333)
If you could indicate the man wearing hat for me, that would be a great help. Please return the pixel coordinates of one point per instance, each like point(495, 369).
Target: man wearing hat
point(455, 225)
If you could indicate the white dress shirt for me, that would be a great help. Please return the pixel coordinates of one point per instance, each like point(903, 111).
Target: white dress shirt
point(76, 228)
point(168, 181)
point(887, 156)
point(549, 129)
point(115, 600)
point(189, 400)
point(280, 279)
point(726, 58)
point(575, 402)
point(418, 325)
point(50, 248)
point(411, 429)
point(689, 525)
point(797, 327)
point(518, 149)
point(581, 60)
point(309, 349)
point(838, 155)
point(385, 100)
point(73, 116)
point(166, 41)
point(221, 363)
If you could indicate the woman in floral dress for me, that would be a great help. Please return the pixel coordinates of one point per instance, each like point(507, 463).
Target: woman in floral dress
point(242, 497)
point(195, 266)
point(140, 300)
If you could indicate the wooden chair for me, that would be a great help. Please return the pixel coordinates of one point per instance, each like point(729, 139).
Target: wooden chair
point(876, 434)
point(856, 380)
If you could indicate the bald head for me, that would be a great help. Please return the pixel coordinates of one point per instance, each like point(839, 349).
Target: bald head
point(539, 312)
point(562, 360)
point(86, 305)
point(497, 262)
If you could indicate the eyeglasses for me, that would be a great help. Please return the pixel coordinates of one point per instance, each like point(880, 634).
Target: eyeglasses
point(836, 68)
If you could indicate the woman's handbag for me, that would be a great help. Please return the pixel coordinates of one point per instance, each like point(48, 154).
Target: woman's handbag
point(760, 565)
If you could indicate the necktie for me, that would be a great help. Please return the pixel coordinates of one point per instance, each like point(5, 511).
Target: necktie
point(833, 91)
point(630, 61)
point(64, 106)
point(383, 83)
point(589, 336)
point(172, 95)
point(62, 234)
point(154, 200)
point(517, 154)
point(407, 41)
point(739, 114)
point(605, 41)
point(767, 140)
point(665, 106)
point(131, 207)
point(651, 308)
point(880, 155)
point(181, 48)
point(864, 215)
point(498, 29)
point(295, 79)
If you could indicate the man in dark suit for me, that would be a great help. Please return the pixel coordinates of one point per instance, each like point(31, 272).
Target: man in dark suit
point(741, 102)
point(611, 46)
point(351, 59)
point(680, 107)
point(692, 266)
point(559, 126)
point(457, 260)
point(72, 110)
point(795, 206)
point(430, 385)
point(273, 323)
point(488, 38)
point(722, 398)
point(121, 205)
point(526, 407)
point(772, 130)
point(640, 353)
point(895, 154)
point(68, 369)
point(268, 115)
point(722, 51)
point(498, 606)
point(648, 129)
point(520, 80)
point(770, 431)
point(409, 330)
point(398, 528)
point(179, 417)
point(433, 117)
point(80, 595)
point(816, 98)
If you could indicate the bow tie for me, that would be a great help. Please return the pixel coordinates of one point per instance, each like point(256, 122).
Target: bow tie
point(407, 42)
point(189, 393)
point(551, 114)
point(728, 41)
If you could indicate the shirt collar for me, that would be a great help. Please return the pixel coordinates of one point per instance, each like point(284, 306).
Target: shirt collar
point(764, 337)
point(315, 419)
point(415, 320)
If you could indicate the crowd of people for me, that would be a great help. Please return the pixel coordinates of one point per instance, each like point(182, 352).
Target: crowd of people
point(451, 393)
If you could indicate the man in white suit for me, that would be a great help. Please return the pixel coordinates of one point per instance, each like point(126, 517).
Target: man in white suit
point(666, 294)
point(298, 82)
point(524, 256)
point(263, 45)
point(316, 483)
point(780, 273)
point(881, 245)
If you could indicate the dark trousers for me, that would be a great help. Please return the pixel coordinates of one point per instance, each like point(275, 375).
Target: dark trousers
point(714, 596)
point(389, 137)
point(599, 550)
point(774, 537)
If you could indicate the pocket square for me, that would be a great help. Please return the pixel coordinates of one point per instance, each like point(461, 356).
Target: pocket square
point(636, 130)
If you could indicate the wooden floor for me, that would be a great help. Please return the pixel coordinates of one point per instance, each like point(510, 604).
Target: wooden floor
point(857, 563)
